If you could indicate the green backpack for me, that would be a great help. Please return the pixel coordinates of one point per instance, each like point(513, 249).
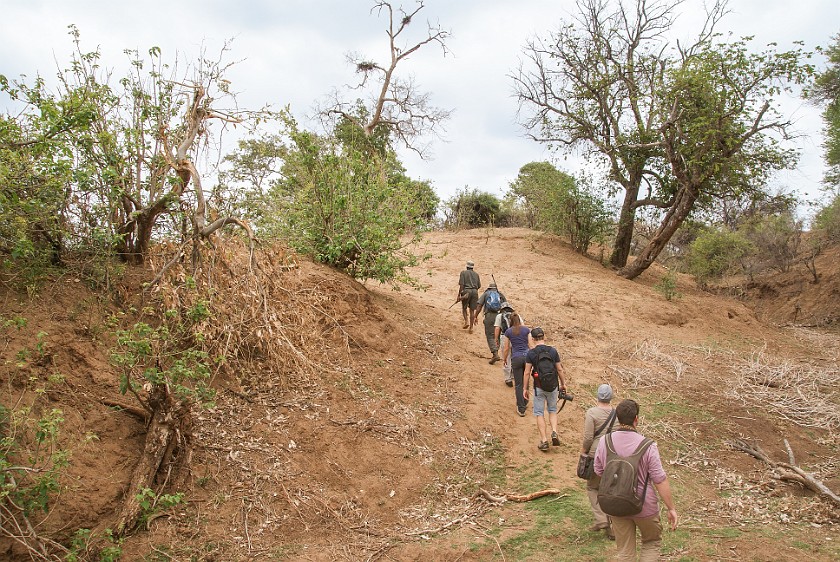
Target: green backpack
point(617, 491)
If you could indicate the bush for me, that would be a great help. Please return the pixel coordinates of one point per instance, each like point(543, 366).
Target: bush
point(827, 221)
point(775, 239)
point(345, 202)
point(715, 253)
point(562, 205)
point(472, 208)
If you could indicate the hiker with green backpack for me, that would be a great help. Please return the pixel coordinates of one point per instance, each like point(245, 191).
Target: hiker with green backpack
point(628, 463)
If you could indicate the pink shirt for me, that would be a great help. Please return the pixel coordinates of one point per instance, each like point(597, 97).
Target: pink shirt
point(625, 443)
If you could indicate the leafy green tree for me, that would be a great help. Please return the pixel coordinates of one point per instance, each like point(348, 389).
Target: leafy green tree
point(827, 221)
point(720, 133)
point(826, 91)
point(715, 253)
point(129, 149)
point(562, 205)
point(593, 87)
point(689, 124)
point(37, 174)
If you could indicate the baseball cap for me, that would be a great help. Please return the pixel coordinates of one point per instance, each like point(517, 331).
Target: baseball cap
point(605, 393)
point(538, 333)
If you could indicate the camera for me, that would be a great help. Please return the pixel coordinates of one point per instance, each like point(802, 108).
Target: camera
point(563, 396)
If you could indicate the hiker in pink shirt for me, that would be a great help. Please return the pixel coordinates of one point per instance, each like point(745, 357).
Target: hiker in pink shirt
point(625, 439)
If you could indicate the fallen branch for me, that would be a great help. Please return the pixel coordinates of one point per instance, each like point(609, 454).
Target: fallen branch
point(515, 497)
point(787, 471)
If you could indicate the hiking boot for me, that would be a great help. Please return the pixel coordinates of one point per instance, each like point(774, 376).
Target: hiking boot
point(599, 527)
point(610, 533)
point(520, 412)
point(494, 359)
point(465, 326)
point(509, 383)
point(543, 446)
point(469, 331)
point(554, 439)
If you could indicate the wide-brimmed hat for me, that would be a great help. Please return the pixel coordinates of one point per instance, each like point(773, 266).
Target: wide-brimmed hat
point(470, 265)
point(605, 393)
point(492, 286)
point(505, 305)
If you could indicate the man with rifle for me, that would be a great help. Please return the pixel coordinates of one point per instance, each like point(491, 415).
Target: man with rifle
point(468, 285)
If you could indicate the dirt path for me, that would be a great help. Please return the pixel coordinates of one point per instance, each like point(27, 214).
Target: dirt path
point(575, 300)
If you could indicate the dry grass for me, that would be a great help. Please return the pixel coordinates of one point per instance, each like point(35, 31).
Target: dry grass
point(801, 393)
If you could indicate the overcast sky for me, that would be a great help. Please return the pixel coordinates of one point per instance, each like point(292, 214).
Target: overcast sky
point(292, 52)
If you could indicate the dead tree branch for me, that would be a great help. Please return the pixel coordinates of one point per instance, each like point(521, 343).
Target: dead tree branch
point(787, 471)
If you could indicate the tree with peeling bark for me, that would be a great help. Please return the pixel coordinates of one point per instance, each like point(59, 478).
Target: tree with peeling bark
point(394, 102)
point(684, 123)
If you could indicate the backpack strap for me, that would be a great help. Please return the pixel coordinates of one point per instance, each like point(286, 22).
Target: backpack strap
point(610, 420)
point(637, 454)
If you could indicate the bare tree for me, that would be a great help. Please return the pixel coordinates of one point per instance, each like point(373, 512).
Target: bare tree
point(394, 102)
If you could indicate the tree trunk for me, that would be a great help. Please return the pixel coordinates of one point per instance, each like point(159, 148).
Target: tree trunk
point(624, 233)
point(166, 443)
point(675, 216)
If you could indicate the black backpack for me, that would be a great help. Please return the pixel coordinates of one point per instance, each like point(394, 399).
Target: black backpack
point(617, 490)
point(546, 371)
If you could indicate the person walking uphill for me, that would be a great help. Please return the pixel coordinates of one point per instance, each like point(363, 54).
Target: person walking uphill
point(614, 466)
point(468, 285)
point(599, 420)
point(500, 326)
point(490, 302)
point(544, 362)
point(516, 348)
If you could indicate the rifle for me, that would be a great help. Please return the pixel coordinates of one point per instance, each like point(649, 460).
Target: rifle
point(459, 299)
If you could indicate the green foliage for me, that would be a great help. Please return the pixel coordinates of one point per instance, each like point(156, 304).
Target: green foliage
point(31, 462)
point(826, 91)
point(562, 205)
point(345, 201)
point(667, 286)
point(827, 221)
point(167, 355)
point(152, 503)
point(84, 543)
point(715, 253)
point(470, 208)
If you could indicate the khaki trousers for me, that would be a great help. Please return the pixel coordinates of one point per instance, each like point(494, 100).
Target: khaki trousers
point(650, 530)
point(592, 492)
